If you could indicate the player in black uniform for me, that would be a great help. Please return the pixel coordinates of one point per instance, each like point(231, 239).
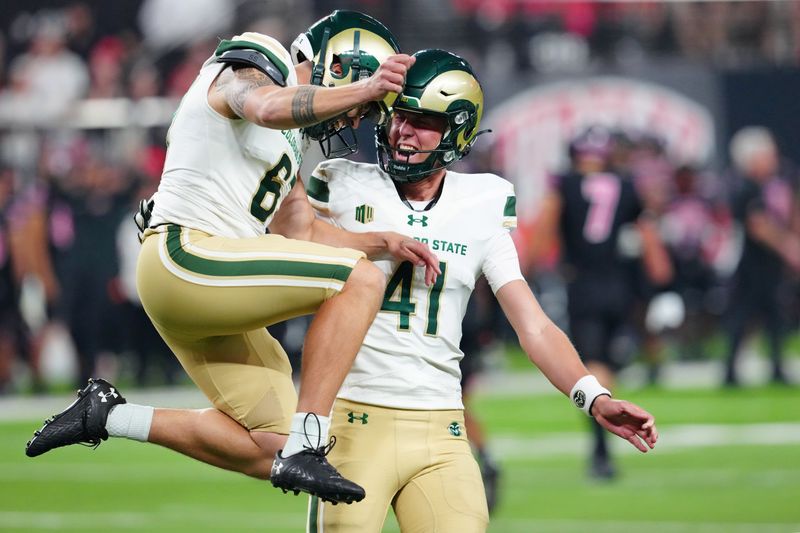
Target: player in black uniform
point(13, 331)
point(599, 217)
point(767, 208)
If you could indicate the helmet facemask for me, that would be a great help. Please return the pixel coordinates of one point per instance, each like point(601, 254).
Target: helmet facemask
point(350, 46)
point(397, 163)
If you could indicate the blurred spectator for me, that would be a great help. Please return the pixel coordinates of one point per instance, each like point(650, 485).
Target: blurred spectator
point(144, 80)
point(689, 229)
point(153, 362)
point(13, 334)
point(32, 97)
point(105, 66)
point(92, 197)
point(766, 207)
point(184, 73)
point(79, 24)
point(170, 24)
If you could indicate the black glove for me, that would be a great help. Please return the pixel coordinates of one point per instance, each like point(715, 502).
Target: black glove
point(142, 216)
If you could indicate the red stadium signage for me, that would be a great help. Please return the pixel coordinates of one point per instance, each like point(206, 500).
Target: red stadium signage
point(532, 130)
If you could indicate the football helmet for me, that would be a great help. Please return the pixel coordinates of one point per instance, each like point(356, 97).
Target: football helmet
point(439, 83)
point(596, 141)
point(344, 47)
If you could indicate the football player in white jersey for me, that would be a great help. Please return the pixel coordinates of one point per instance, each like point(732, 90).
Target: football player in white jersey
point(398, 417)
point(211, 279)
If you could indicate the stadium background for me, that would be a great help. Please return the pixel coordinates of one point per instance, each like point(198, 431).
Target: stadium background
point(87, 90)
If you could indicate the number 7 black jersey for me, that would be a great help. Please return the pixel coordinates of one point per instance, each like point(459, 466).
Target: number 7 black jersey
point(594, 210)
point(410, 355)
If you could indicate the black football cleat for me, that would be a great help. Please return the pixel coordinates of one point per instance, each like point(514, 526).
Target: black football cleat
point(309, 471)
point(83, 422)
point(602, 468)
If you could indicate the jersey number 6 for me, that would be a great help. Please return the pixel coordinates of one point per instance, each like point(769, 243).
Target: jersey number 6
point(269, 189)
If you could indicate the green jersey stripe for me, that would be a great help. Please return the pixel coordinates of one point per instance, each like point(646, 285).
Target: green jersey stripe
point(511, 207)
point(252, 267)
point(318, 190)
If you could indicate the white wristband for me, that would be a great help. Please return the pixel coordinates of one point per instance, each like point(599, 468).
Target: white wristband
point(585, 392)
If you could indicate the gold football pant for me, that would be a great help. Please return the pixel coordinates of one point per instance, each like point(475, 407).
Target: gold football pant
point(210, 298)
point(419, 462)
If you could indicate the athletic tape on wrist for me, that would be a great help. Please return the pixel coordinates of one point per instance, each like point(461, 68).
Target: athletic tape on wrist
point(585, 392)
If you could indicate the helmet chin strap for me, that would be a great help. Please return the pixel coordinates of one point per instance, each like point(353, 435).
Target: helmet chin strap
point(355, 66)
point(319, 68)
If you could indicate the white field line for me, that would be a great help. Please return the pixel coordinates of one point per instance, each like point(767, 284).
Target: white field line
point(212, 519)
point(615, 526)
point(151, 520)
point(671, 439)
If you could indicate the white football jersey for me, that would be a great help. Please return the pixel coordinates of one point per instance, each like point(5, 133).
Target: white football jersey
point(221, 176)
point(410, 356)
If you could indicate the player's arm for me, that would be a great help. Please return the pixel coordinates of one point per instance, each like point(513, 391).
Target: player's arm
point(248, 93)
point(784, 242)
point(296, 219)
point(546, 235)
point(545, 343)
point(549, 349)
point(655, 257)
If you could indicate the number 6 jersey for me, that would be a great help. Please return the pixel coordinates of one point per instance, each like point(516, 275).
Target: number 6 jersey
point(226, 177)
point(410, 355)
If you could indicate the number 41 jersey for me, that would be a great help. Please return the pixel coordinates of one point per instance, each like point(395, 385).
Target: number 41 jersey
point(410, 355)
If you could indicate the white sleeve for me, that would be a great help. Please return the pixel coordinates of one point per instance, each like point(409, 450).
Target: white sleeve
point(502, 262)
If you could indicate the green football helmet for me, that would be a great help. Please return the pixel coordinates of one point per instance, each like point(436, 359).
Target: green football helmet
point(442, 84)
point(344, 47)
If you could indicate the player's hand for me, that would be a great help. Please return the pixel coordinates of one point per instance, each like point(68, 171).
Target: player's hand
point(390, 77)
point(142, 216)
point(626, 420)
point(405, 248)
point(790, 251)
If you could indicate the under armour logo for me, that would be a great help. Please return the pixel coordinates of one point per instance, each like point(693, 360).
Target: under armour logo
point(278, 468)
point(422, 220)
point(104, 395)
point(351, 417)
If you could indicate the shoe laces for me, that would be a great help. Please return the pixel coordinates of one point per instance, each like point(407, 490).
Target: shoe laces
point(320, 449)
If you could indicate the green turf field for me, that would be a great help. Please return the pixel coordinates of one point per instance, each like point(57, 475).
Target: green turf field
point(727, 461)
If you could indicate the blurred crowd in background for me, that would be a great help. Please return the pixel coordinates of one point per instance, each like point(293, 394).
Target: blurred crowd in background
point(87, 90)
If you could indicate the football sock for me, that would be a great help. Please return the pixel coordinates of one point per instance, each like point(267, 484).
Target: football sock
point(308, 430)
point(600, 447)
point(130, 421)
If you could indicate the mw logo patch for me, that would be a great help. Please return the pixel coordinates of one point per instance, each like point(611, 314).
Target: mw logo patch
point(365, 214)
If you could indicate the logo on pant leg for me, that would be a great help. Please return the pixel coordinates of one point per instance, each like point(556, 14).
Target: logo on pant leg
point(352, 417)
point(455, 429)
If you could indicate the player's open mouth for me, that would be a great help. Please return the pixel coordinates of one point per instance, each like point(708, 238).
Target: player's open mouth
point(406, 149)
